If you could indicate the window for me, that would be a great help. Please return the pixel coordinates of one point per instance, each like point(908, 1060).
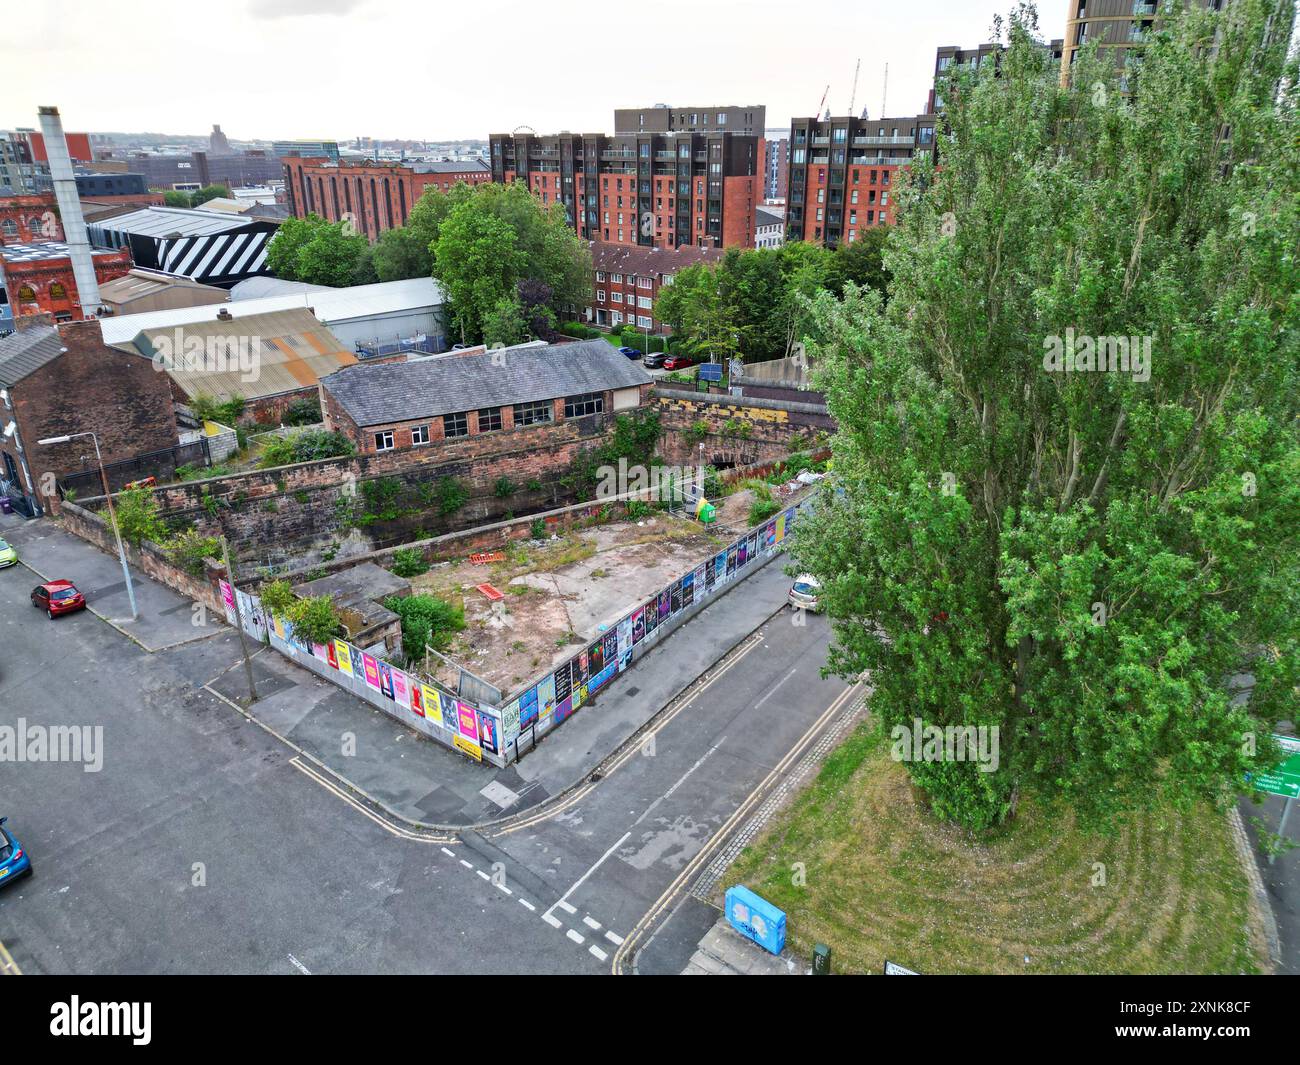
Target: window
point(454, 425)
point(616, 297)
point(643, 321)
point(587, 403)
point(533, 413)
point(645, 282)
point(616, 278)
point(489, 419)
point(600, 295)
point(384, 440)
point(600, 275)
point(644, 302)
point(420, 434)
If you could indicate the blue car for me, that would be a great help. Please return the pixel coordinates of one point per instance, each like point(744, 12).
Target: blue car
point(631, 353)
point(14, 861)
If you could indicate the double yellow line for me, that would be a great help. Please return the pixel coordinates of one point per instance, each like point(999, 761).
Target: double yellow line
point(709, 849)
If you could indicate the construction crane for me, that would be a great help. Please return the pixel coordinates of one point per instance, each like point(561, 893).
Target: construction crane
point(818, 112)
point(854, 95)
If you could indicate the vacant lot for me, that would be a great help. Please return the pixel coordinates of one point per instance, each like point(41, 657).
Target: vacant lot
point(886, 881)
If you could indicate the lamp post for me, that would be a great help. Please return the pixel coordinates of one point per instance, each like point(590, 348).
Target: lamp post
point(112, 515)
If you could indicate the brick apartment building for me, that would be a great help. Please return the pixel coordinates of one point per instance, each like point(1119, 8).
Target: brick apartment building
point(37, 278)
point(504, 397)
point(63, 379)
point(628, 281)
point(660, 190)
point(843, 172)
point(375, 196)
point(776, 173)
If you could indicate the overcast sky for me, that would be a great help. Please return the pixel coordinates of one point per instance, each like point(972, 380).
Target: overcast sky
point(417, 69)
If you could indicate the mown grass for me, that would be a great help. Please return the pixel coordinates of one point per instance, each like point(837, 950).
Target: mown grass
point(885, 880)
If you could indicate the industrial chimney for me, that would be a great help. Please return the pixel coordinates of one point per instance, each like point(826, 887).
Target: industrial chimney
point(74, 225)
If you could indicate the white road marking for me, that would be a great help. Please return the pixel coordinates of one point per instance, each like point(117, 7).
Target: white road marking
point(615, 939)
point(449, 854)
point(300, 966)
point(680, 781)
point(466, 864)
point(575, 936)
point(554, 922)
point(599, 954)
point(483, 875)
point(772, 690)
point(528, 905)
point(591, 923)
point(565, 907)
point(505, 889)
point(582, 879)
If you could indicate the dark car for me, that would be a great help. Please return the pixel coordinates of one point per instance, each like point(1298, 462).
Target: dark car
point(631, 353)
point(654, 359)
point(14, 860)
point(58, 597)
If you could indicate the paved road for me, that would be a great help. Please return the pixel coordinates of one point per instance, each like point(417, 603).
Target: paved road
point(202, 844)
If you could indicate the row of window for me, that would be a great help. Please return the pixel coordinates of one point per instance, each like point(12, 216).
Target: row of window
point(644, 302)
point(489, 419)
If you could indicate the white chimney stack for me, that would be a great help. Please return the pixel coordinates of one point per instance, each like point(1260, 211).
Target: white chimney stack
point(74, 225)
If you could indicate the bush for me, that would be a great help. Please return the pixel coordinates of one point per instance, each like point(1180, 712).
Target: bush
point(426, 619)
point(302, 412)
point(504, 488)
point(188, 549)
point(137, 517)
point(409, 562)
point(315, 620)
point(277, 597)
point(450, 495)
point(207, 409)
point(306, 446)
point(537, 530)
point(762, 510)
point(577, 329)
point(637, 510)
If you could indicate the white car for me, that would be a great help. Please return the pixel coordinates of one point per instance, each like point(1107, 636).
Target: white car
point(806, 593)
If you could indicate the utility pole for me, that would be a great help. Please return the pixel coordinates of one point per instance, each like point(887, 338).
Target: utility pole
point(239, 618)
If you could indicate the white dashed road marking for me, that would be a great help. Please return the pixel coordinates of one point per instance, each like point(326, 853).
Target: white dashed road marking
point(554, 922)
point(599, 954)
point(299, 966)
point(575, 936)
point(591, 923)
point(616, 940)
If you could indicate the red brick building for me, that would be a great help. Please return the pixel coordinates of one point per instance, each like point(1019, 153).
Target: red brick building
point(647, 190)
point(375, 196)
point(37, 278)
point(628, 281)
point(27, 219)
point(507, 395)
point(63, 379)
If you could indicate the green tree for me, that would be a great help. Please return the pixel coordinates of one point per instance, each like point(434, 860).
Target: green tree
point(1081, 560)
point(504, 324)
point(138, 518)
point(176, 198)
point(861, 261)
point(289, 239)
point(209, 192)
point(477, 259)
point(402, 253)
point(333, 258)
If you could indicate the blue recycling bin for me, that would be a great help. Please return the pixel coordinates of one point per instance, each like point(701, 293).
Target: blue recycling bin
point(755, 918)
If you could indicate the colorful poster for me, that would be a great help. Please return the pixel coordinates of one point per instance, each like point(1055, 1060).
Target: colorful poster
point(742, 553)
point(528, 707)
point(468, 746)
point(563, 692)
point(768, 535)
point(277, 624)
point(401, 689)
point(731, 560)
point(487, 732)
point(624, 644)
point(578, 667)
point(596, 657)
point(433, 706)
point(371, 666)
point(344, 654)
point(752, 544)
point(789, 519)
point(688, 590)
point(611, 647)
point(319, 650)
point(510, 720)
point(780, 528)
point(651, 616)
point(701, 581)
point(545, 696)
point(638, 625)
point(228, 599)
point(665, 605)
point(466, 720)
point(417, 698)
point(718, 571)
point(385, 678)
point(675, 596)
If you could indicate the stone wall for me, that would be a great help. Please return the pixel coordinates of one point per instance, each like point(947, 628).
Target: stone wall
point(736, 431)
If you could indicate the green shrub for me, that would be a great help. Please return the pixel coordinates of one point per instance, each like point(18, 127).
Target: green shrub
point(450, 495)
point(302, 412)
point(504, 488)
point(537, 530)
point(315, 619)
point(278, 597)
point(306, 446)
point(409, 562)
point(426, 619)
point(137, 517)
point(188, 549)
point(762, 510)
point(637, 510)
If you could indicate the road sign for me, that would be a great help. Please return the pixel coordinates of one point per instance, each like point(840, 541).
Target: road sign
point(1284, 779)
point(893, 969)
point(710, 371)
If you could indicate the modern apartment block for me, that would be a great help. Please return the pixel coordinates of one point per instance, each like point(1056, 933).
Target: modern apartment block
point(776, 169)
point(663, 189)
point(374, 196)
point(950, 56)
point(663, 118)
point(1119, 25)
point(843, 172)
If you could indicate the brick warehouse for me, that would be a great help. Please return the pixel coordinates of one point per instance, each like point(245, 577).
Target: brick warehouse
point(642, 189)
point(37, 278)
point(64, 379)
point(628, 281)
point(375, 196)
point(27, 219)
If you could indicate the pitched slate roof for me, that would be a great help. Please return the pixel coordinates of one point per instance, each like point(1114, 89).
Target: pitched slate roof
point(377, 394)
point(25, 352)
point(626, 259)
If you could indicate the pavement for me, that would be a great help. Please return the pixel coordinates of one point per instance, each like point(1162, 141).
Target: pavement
point(725, 952)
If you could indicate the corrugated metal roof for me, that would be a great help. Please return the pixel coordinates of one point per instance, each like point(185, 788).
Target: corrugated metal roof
point(26, 351)
point(254, 356)
point(331, 305)
point(169, 221)
point(375, 394)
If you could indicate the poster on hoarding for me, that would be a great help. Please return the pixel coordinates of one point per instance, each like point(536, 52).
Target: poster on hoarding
point(638, 625)
point(433, 706)
point(596, 657)
point(611, 647)
point(624, 643)
point(401, 690)
point(546, 695)
point(767, 536)
point(487, 732)
point(665, 604)
point(688, 590)
point(528, 707)
point(228, 600)
point(563, 692)
point(417, 698)
point(731, 560)
point(702, 581)
point(468, 746)
point(466, 720)
point(386, 678)
point(742, 553)
point(370, 665)
point(752, 542)
point(510, 727)
point(344, 654)
point(651, 616)
point(780, 529)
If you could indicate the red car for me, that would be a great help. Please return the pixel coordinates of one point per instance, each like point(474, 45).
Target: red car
point(677, 362)
point(58, 597)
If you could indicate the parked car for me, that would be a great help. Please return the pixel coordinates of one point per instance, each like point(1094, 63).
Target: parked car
point(806, 593)
point(58, 597)
point(14, 859)
point(8, 556)
point(631, 353)
point(678, 362)
point(654, 359)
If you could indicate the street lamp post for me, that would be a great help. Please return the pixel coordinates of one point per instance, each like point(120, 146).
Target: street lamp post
point(112, 514)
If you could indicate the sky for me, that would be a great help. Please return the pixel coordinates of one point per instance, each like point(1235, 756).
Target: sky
point(338, 69)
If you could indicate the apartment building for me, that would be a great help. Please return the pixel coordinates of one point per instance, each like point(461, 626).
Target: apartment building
point(1120, 26)
point(628, 281)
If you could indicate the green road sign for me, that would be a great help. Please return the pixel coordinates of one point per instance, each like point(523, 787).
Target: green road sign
point(1285, 778)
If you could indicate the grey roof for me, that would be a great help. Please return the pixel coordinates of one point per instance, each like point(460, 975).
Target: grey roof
point(377, 394)
point(448, 166)
point(174, 221)
point(25, 352)
point(767, 218)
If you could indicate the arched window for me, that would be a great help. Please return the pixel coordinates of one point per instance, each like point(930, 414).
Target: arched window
point(9, 227)
point(26, 294)
point(57, 291)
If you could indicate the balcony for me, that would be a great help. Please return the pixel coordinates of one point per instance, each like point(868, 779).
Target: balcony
point(866, 142)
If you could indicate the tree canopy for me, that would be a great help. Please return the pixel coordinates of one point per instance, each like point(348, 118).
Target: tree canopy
point(1081, 559)
point(318, 252)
